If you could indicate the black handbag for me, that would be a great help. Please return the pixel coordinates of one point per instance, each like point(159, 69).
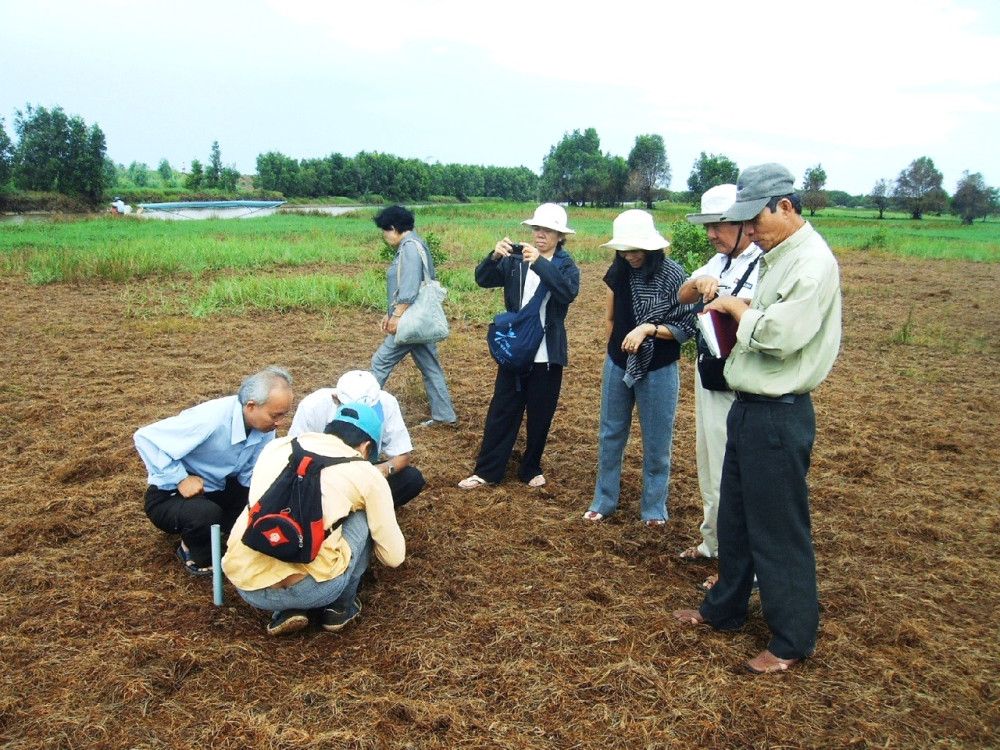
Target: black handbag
point(711, 369)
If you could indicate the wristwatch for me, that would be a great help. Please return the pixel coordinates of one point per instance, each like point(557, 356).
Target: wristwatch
point(392, 469)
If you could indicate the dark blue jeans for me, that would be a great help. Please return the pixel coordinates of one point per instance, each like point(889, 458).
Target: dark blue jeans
point(764, 525)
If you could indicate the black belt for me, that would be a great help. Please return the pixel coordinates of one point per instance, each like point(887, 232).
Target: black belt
point(788, 398)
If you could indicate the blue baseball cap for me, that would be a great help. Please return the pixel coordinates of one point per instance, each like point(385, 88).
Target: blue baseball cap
point(366, 419)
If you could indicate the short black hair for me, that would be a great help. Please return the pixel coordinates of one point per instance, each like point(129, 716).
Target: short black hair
point(351, 435)
point(394, 217)
point(794, 198)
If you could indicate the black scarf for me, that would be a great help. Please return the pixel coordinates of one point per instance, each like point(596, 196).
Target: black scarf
point(655, 301)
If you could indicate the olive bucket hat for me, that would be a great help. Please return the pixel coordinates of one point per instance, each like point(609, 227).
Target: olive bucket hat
point(755, 187)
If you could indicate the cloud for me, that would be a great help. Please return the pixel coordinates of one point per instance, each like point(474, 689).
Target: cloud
point(853, 74)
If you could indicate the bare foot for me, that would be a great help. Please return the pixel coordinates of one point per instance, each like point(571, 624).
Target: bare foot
point(693, 553)
point(689, 616)
point(765, 662)
point(707, 583)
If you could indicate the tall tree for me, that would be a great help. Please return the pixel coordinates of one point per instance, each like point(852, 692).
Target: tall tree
point(880, 196)
point(648, 161)
point(56, 152)
point(972, 197)
point(213, 175)
point(994, 207)
point(166, 173)
point(138, 174)
point(918, 188)
point(196, 179)
point(572, 168)
point(616, 180)
point(813, 194)
point(229, 178)
point(710, 170)
point(6, 156)
point(278, 173)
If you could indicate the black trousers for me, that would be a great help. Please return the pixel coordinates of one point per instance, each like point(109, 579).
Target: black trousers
point(537, 397)
point(764, 526)
point(405, 484)
point(193, 517)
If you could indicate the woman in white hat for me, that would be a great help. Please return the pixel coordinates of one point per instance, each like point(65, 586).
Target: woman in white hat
point(645, 326)
point(520, 270)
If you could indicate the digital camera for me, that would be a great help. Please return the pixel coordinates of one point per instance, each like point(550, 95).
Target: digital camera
point(516, 248)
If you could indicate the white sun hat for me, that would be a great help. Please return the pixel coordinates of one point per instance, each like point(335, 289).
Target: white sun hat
point(550, 216)
point(358, 386)
point(714, 202)
point(634, 230)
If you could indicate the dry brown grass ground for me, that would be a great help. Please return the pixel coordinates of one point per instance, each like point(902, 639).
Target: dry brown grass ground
point(512, 624)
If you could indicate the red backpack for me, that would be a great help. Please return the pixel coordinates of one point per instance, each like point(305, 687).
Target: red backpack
point(287, 521)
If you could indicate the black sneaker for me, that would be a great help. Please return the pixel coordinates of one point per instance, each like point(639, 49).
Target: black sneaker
point(287, 621)
point(334, 620)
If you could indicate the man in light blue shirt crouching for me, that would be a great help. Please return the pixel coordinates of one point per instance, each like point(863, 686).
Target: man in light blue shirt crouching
point(200, 461)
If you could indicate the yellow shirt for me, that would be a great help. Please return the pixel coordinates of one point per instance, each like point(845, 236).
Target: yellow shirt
point(789, 338)
point(356, 485)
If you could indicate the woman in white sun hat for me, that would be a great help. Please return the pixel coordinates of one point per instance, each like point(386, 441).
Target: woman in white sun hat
point(645, 326)
point(520, 269)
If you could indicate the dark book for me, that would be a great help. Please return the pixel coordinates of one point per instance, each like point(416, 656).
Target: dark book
point(719, 331)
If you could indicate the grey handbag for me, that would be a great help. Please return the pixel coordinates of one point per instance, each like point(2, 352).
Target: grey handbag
point(423, 322)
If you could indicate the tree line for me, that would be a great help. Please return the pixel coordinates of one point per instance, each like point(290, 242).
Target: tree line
point(59, 153)
point(370, 174)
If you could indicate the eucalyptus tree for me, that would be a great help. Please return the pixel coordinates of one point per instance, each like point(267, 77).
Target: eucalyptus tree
point(648, 162)
point(571, 170)
point(196, 178)
point(277, 173)
point(6, 156)
point(213, 174)
point(710, 170)
point(166, 173)
point(59, 153)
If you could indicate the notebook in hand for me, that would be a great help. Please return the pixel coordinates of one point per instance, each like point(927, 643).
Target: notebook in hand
point(719, 331)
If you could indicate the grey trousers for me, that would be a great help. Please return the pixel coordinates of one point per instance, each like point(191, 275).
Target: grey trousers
point(390, 354)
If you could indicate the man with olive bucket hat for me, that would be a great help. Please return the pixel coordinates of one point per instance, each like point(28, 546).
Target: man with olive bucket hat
point(733, 270)
point(787, 342)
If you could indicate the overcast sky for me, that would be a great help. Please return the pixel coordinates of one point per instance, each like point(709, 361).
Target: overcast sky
point(861, 86)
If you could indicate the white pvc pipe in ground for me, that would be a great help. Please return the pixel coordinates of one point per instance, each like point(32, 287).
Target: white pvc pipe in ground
point(217, 564)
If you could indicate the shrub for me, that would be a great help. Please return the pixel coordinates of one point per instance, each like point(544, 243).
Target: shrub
point(689, 245)
point(387, 253)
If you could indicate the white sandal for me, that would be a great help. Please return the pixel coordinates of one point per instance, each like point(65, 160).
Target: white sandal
point(537, 481)
point(593, 515)
point(472, 482)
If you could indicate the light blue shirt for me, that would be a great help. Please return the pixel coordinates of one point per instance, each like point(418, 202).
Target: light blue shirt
point(208, 440)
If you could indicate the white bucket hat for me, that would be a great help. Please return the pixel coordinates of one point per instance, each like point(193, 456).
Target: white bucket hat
point(634, 230)
point(358, 386)
point(714, 202)
point(550, 216)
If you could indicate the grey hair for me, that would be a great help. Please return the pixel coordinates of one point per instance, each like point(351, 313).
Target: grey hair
point(258, 387)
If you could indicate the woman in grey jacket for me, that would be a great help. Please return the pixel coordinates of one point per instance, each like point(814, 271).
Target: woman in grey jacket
point(537, 393)
point(397, 225)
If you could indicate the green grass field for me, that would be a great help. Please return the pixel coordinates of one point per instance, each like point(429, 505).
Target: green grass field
point(289, 261)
